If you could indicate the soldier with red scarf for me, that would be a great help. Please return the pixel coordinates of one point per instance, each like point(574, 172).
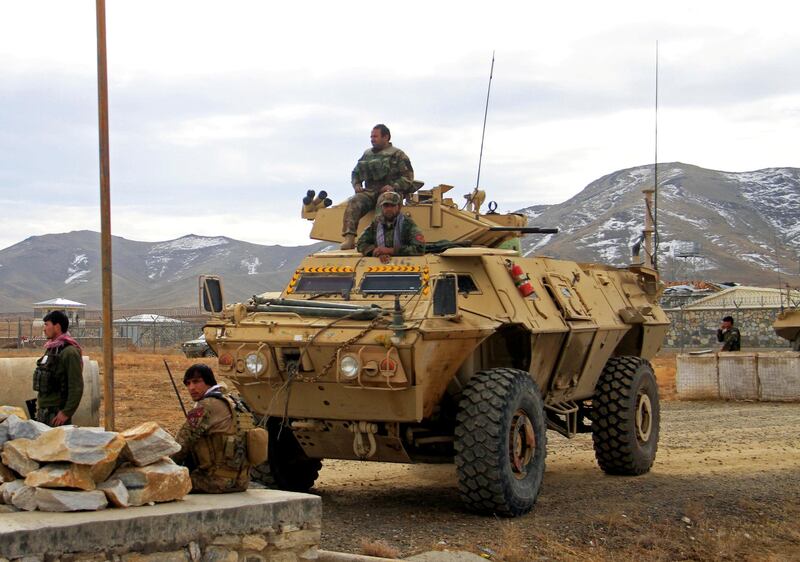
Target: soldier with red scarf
point(58, 378)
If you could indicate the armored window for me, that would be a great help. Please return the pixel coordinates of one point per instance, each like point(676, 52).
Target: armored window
point(390, 283)
point(324, 284)
point(466, 284)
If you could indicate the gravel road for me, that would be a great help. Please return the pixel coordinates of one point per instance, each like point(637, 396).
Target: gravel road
point(732, 470)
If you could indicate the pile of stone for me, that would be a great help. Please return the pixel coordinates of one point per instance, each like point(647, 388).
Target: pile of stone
point(72, 468)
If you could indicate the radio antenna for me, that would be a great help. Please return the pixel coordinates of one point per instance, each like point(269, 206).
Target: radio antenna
point(485, 114)
point(655, 177)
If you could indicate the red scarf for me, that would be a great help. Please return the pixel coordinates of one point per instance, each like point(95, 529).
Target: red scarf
point(64, 339)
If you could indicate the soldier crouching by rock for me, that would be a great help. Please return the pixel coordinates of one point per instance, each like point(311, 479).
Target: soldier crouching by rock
point(216, 440)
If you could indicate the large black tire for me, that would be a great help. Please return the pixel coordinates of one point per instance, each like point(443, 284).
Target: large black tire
point(501, 442)
point(625, 416)
point(287, 466)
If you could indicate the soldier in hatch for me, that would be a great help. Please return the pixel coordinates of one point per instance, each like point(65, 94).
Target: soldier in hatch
point(380, 169)
point(213, 439)
point(392, 233)
point(58, 378)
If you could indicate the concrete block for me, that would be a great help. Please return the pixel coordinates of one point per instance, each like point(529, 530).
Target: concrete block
point(779, 376)
point(164, 527)
point(696, 377)
point(738, 376)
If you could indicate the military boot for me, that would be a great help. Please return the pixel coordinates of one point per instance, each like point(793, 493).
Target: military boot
point(349, 242)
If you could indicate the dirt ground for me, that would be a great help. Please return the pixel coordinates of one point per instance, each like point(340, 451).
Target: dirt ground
point(725, 486)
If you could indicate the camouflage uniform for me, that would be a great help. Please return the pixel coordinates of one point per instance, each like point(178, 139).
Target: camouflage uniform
point(412, 241)
point(389, 166)
point(58, 381)
point(732, 339)
point(212, 449)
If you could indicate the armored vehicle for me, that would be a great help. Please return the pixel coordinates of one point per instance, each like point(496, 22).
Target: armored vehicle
point(787, 326)
point(465, 354)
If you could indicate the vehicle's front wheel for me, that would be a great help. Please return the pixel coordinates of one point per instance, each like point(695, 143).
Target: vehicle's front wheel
point(287, 466)
point(501, 442)
point(625, 416)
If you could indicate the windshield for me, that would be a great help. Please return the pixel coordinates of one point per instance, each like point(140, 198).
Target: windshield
point(324, 284)
point(390, 283)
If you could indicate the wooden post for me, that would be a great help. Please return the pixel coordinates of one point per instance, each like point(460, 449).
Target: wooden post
point(105, 217)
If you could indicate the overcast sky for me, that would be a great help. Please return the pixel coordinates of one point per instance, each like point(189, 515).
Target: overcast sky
point(222, 114)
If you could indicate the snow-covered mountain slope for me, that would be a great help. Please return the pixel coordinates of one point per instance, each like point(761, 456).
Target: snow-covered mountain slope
point(715, 225)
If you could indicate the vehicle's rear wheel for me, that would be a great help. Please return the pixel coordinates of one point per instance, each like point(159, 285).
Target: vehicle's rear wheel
point(501, 442)
point(287, 467)
point(625, 416)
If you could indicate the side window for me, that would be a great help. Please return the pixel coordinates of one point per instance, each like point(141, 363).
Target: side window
point(466, 284)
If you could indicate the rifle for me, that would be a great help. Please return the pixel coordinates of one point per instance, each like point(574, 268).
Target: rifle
point(178, 394)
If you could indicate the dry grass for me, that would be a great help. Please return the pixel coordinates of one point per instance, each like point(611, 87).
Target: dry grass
point(378, 548)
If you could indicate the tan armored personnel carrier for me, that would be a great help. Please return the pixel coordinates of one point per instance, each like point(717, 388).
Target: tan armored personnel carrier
point(466, 354)
point(787, 326)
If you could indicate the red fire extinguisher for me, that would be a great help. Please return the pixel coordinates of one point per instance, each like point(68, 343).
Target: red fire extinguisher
point(520, 278)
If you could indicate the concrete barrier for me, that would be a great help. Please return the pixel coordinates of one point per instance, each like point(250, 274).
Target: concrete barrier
point(770, 376)
point(738, 376)
point(779, 376)
point(697, 377)
point(255, 525)
point(16, 374)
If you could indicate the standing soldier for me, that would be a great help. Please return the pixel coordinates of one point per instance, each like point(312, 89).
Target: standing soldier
point(213, 440)
point(391, 233)
point(381, 168)
point(58, 378)
point(730, 335)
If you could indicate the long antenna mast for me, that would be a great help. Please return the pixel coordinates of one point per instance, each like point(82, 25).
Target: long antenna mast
point(485, 114)
point(655, 177)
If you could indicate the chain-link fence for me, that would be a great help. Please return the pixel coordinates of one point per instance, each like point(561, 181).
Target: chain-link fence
point(143, 329)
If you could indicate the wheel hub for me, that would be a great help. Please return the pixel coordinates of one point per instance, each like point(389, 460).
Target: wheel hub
point(522, 443)
point(644, 417)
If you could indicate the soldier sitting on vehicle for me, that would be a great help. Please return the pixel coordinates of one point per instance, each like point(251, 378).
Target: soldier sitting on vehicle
point(380, 169)
point(214, 444)
point(392, 233)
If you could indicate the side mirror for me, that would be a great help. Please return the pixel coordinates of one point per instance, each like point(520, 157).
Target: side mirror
point(445, 295)
point(211, 297)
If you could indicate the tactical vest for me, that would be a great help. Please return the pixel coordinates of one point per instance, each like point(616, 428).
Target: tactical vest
point(375, 168)
point(45, 379)
point(223, 454)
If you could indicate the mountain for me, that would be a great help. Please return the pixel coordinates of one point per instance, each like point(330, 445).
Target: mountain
point(146, 274)
point(714, 225)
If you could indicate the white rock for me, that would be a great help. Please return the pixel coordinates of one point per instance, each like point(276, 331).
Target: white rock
point(6, 411)
point(115, 492)
point(159, 482)
point(81, 445)
point(24, 498)
point(7, 490)
point(27, 429)
point(61, 500)
point(147, 443)
point(15, 456)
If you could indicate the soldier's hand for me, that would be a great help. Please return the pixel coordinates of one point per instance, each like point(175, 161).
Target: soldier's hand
point(59, 419)
point(358, 188)
point(386, 188)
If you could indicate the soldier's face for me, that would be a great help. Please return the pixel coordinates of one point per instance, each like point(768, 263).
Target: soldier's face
point(727, 325)
point(390, 211)
point(51, 330)
point(379, 142)
point(197, 388)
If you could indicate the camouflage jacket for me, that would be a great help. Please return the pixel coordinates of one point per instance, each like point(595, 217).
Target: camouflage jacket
point(412, 241)
point(732, 339)
point(389, 166)
point(202, 437)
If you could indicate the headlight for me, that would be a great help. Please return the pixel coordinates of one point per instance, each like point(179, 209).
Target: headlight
point(255, 363)
point(349, 367)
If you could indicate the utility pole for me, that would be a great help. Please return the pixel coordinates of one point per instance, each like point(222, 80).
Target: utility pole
point(105, 216)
